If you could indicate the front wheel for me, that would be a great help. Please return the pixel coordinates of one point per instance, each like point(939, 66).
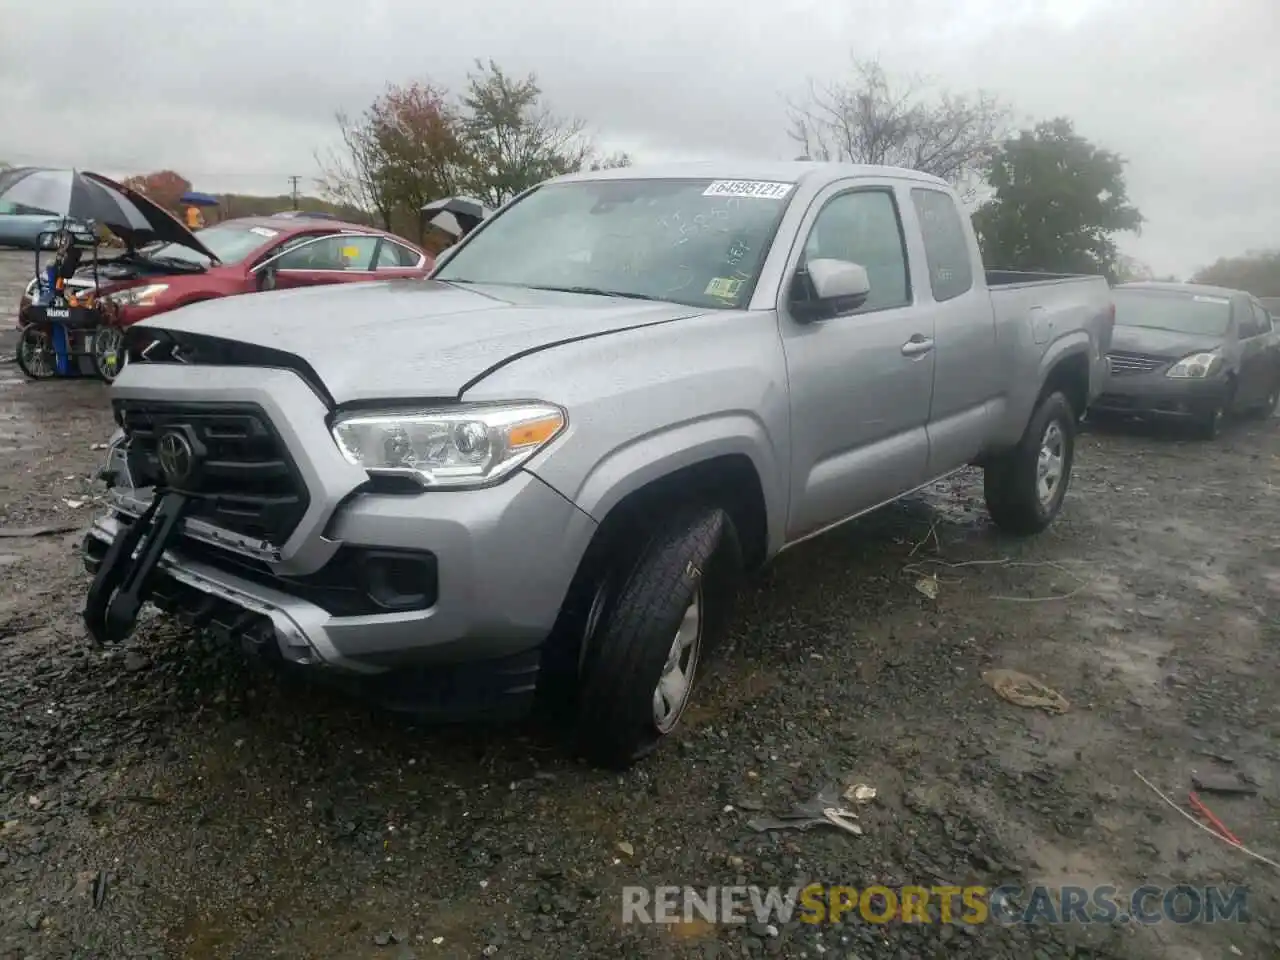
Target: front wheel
point(1268, 406)
point(108, 352)
point(1025, 487)
point(35, 353)
point(650, 643)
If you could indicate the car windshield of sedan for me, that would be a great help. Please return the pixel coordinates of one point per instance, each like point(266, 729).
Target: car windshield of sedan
point(695, 242)
point(1176, 311)
point(229, 242)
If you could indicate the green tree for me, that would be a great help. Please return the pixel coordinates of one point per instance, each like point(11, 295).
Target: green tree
point(512, 139)
point(1257, 271)
point(1057, 200)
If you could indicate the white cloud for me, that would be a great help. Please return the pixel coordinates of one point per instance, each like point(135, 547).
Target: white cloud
point(239, 95)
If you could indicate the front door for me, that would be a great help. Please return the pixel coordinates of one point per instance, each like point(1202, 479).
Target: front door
point(1257, 355)
point(861, 382)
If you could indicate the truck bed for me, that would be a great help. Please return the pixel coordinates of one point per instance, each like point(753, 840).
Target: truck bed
point(1009, 278)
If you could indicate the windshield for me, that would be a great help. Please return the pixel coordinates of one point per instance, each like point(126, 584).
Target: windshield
point(231, 243)
point(1208, 316)
point(696, 242)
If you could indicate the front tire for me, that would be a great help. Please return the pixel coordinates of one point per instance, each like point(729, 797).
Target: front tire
point(1265, 409)
point(108, 352)
point(653, 638)
point(1025, 487)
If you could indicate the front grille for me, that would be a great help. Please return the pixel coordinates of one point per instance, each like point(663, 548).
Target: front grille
point(250, 485)
point(1126, 363)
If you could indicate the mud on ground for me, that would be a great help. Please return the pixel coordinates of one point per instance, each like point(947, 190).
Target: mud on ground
point(172, 799)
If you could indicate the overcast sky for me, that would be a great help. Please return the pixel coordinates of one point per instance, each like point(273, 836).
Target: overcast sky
point(237, 95)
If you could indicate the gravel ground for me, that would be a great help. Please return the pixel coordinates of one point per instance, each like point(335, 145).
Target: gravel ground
point(173, 799)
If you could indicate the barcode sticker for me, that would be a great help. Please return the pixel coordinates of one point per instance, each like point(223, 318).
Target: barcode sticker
point(758, 189)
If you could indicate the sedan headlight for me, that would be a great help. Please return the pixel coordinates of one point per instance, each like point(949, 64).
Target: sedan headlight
point(143, 296)
point(466, 446)
point(1197, 366)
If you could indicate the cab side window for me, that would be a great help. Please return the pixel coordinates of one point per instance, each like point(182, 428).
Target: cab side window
point(946, 245)
point(863, 227)
point(336, 252)
point(1262, 319)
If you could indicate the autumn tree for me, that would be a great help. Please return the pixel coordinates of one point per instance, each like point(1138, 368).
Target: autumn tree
point(512, 139)
point(870, 117)
point(1257, 271)
point(417, 136)
point(1057, 202)
point(164, 187)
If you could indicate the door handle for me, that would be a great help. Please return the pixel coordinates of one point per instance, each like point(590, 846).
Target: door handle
point(917, 346)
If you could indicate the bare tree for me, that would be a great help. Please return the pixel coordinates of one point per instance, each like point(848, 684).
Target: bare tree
point(354, 174)
point(871, 118)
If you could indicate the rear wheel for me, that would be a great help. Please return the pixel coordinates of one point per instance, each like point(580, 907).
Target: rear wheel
point(35, 353)
point(648, 642)
point(1025, 487)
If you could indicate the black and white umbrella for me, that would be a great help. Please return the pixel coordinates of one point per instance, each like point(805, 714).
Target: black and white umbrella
point(128, 214)
point(465, 212)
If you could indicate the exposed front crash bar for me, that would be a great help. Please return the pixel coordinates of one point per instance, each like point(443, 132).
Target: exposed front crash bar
point(299, 641)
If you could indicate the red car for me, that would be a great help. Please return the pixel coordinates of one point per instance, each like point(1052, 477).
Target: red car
point(245, 256)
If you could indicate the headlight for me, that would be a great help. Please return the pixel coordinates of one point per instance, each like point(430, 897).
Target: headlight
point(30, 292)
point(143, 296)
point(455, 447)
point(1197, 366)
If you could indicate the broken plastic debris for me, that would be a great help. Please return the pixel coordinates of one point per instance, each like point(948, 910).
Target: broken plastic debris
point(1025, 691)
point(823, 810)
point(928, 586)
point(626, 849)
point(74, 504)
point(860, 793)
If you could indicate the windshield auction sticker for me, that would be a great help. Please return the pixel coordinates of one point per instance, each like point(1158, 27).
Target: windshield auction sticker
point(759, 189)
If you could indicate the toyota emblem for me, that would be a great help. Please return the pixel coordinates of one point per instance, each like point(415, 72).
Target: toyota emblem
point(176, 458)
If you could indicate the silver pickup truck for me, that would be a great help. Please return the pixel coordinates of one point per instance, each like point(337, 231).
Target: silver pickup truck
point(543, 470)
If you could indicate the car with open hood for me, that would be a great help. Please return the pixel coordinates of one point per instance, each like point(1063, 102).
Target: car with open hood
point(1192, 353)
point(244, 255)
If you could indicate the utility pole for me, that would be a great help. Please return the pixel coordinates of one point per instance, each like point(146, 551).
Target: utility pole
point(294, 180)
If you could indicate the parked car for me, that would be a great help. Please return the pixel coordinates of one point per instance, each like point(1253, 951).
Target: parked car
point(1190, 352)
point(544, 470)
point(243, 256)
point(22, 227)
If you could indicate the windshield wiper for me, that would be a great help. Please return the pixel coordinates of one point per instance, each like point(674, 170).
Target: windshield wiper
point(597, 292)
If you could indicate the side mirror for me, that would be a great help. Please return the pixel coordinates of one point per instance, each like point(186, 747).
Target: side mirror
point(266, 277)
point(834, 287)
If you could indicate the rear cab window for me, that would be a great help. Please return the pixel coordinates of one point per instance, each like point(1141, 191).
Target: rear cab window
point(946, 244)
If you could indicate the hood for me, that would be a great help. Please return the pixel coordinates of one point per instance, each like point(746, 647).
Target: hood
point(1160, 343)
point(162, 225)
point(400, 339)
